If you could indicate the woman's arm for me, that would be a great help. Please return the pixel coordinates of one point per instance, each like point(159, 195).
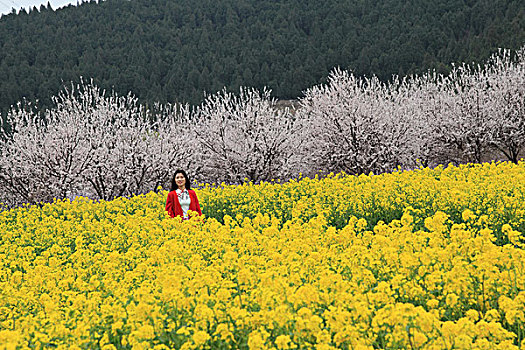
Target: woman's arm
point(169, 205)
point(197, 205)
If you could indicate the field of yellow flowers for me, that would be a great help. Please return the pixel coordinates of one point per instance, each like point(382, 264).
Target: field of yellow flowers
point(424, 259)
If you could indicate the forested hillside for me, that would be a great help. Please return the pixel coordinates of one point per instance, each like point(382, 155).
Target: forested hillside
point(170, 51)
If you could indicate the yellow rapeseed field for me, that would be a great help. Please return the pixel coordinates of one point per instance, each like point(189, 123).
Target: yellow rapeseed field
point(425, 259)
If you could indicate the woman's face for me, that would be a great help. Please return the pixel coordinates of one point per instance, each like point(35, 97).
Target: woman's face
point(180, 180)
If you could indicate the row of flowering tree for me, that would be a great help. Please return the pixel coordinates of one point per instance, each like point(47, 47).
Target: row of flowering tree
point(100, 145)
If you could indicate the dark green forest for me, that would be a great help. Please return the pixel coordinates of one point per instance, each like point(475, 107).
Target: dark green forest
point(174, 50)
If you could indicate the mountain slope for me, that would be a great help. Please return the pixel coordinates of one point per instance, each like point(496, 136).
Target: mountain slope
point(174, 50)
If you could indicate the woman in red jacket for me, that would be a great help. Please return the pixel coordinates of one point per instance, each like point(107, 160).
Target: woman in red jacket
point(181, 198)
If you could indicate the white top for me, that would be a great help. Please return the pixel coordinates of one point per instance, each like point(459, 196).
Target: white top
point(184, 201)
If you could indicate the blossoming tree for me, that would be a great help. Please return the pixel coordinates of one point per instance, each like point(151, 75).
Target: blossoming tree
point(353, 125)
point(245, 136)
point(91, 144)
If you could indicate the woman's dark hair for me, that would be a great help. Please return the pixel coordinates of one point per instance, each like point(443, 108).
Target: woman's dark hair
point(174, 184)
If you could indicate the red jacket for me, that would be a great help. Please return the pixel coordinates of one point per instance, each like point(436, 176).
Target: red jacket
point(173, 206)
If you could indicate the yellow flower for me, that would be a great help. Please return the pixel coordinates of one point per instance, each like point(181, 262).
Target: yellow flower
point(224, 331)
point(451, 299)
point(257, 339)
point(324, 262)
point(472, 315)
point(284, 342)
point(433, 303)
point(492, 315)
point(200, 338)
point(145, 332)
point(468, 215)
